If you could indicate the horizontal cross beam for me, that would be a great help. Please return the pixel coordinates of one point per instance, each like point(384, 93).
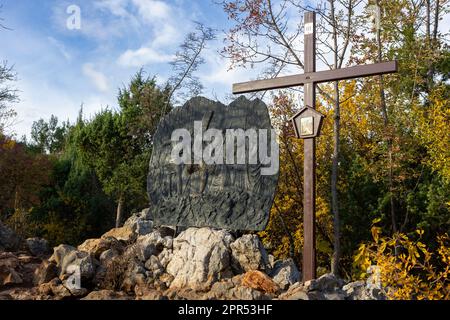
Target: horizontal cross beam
point(316, 77)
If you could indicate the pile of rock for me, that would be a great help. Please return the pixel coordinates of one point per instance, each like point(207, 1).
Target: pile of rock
point(19, 259)
point(138, 261)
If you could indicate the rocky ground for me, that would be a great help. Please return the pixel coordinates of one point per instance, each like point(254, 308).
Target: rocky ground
point(140, 262)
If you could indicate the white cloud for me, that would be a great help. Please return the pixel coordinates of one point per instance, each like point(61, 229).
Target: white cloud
point(141, 57)
point(164, 20)
point(39, 99)
point(97, 78)
point(116, 7)
point(114, 22)
point(221, 75)
point(70, 67)
point(157, 24)
point(166, 35)
point(60, 46)
point(216, 70)
point(150, 10)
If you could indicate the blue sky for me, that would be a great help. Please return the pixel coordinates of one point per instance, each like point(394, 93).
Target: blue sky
point(59, 69)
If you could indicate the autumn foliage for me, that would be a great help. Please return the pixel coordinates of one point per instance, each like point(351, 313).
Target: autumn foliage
point(408, 269)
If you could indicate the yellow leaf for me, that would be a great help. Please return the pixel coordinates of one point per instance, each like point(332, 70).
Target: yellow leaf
point(376, 220)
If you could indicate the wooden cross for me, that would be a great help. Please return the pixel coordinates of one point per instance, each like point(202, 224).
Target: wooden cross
point(309, 80)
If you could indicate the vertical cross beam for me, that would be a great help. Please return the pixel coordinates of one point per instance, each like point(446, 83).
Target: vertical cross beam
point(309, 165)
point(309, 80)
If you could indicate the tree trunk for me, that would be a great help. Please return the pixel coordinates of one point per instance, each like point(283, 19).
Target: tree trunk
point(433, 43)
point(388, 140)
point(387, 135)
point(16, 199)
point(336, 149)
point(429, 44)
point(16, 220)
point(436, 21)
point(428, 20)
point(119, 211)
point(334, 181)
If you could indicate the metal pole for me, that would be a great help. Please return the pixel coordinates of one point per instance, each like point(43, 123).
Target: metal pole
point(309, 192)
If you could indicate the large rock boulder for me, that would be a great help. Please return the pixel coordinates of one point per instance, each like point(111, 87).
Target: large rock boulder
point(45, 272)
point(260, 281)
point(154, 266)
point(359, 290)
point(9, 240)
point(37, 246)
point(232, 289)
point(285, 273)
point(61, 290)
point(200, 257)
point(9, 269)
point(120, 271)
point(152, 244)
point(295, 292)
point(135, 275)
point(107, 256)
point(327, 282)
point(326, 287)
point(125, 234)
point(146, 293)
point(140, 222)
point(58, 289)
point(96, 247)
point(165, 256)
point(60, 252)
point(248, 253)
point(77, 263)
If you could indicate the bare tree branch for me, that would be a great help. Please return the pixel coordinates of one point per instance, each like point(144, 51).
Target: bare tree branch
point(8, 95)
point(186, 63)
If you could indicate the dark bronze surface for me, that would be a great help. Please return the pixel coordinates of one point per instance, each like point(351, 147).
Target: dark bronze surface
point(235, 197)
